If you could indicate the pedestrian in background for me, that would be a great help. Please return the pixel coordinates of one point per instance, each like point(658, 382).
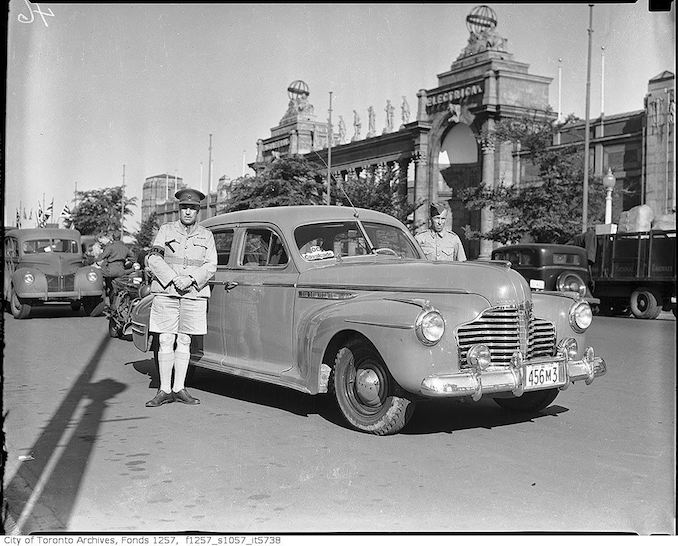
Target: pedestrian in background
point(438, 242)
point(183, 259)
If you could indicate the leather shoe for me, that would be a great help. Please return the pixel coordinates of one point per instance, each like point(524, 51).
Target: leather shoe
point(159, 399)
point(185, 398)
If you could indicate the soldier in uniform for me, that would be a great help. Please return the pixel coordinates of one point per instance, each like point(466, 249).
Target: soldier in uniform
point(438, 242)
point(182, 259)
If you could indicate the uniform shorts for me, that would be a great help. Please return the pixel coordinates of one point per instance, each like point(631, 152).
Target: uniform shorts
point(172, 315)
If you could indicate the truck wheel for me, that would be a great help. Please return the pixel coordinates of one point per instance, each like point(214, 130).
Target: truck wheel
point(365, 391)
point(644, 304)
point(529, 402)
point(20, 308)
point(93, 306)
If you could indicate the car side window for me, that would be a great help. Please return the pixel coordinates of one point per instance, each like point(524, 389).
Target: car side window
point(223, 240)
point(263, 248)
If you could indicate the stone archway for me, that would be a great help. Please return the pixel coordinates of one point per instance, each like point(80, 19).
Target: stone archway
point(456, 165)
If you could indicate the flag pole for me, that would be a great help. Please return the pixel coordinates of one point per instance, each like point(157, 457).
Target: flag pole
point(587, 136)
point(329, 151)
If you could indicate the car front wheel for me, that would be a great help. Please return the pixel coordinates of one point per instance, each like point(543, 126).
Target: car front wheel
point(529, 402)
point(20, 308)
point(93, 306)
point(366, 392)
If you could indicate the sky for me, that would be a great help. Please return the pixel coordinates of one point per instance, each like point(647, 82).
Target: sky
point(94, 90)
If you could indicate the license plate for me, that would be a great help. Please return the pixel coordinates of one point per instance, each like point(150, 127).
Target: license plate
point(543, 376)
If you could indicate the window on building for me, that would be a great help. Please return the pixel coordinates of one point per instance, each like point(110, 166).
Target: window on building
point(631, 192)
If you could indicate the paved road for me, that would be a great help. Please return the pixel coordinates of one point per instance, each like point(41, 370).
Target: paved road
point(84, 454)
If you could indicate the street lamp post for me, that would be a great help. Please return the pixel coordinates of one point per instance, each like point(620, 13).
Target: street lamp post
point(609, 180)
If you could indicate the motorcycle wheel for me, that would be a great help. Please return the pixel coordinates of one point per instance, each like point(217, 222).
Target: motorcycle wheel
point(113, 329)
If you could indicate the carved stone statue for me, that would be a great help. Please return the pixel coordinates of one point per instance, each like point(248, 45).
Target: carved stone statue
point(390, 110)
point(356, 126)
point(371, 131)
point(405, 108)
point(342, 130)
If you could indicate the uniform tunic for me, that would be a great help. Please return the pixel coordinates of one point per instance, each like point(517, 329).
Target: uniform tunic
point(113, 259)
point(181, 251)
point(445, 245)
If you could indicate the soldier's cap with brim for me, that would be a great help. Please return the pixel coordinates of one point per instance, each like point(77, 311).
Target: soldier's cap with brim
point(189, 196)
point(436, 209)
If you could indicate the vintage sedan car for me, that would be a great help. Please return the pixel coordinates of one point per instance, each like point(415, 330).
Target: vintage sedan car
point(45, 265)
point(550, 267)
point(328, 299)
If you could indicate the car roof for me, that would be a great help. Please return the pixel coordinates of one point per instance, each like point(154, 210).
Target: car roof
point(31, 233)
point(541, 246)
point(298, 214)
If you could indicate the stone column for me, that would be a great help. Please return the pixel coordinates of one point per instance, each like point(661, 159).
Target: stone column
point(486, 214)
point(421, 105)
point(421, 189)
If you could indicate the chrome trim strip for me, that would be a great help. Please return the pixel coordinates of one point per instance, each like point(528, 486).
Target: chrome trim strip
point(376, 288)
point(382, 324)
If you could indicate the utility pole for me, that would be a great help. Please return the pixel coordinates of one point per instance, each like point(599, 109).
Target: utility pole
point(329, 152)
point(602, 90)
point(122, 205)
point(209, 178)
point(587, 137)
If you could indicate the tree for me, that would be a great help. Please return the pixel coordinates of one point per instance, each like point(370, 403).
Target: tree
point(290, 180)
point(383, 190)
point(548, 210)
point(147, 229)
point(101, 211)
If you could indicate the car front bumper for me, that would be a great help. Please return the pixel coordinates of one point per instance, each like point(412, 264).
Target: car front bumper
point(512, 379)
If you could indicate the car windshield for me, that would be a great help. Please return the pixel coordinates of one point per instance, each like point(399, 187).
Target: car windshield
point(331, 239)
point(39, 246)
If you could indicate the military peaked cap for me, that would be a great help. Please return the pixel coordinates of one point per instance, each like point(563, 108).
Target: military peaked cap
point(188, 196)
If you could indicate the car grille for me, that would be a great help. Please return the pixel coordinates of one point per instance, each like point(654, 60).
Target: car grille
point(505, 331)
point(60, 283)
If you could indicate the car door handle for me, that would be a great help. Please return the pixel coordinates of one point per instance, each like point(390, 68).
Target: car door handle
point(228, 285)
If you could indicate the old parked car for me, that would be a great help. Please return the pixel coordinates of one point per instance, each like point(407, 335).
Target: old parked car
point(45, 265)
point(550, 267)
point(327, 299)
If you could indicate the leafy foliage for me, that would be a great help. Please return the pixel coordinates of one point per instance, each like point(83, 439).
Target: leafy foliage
point(548, 210)
point(101, 211)
point(147, 230)
point(286, 181)
point(383, 190)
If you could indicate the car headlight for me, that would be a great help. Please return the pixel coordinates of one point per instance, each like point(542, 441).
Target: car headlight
point(479, 356)
point(571, 282)
point(92, 276)
point(429, 327)
point(570, 347)
point(29, 278)
point(580, 316)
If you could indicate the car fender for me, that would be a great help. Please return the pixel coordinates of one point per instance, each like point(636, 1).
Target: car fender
point(555, 307)
point(141, 314)
point(36, 289)
point(82, 284)
point(389, 324)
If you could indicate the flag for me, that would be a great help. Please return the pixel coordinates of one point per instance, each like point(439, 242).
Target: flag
point(25, 218)
point(18, 218)
point(40, 219)
point(30, 215)
point(50, 210)
point(66, 214)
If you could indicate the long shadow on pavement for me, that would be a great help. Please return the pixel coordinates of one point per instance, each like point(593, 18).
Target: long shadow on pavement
point(42, 493)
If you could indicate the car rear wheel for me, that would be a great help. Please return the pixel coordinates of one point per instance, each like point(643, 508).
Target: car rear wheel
point(20, 308)
point(644, 304)
point(366, 392)
point(529, 402)
point(93, 306)
point(75, 305)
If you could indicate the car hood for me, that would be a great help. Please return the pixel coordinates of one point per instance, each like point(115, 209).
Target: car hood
point(496, 282)
point(53, 263)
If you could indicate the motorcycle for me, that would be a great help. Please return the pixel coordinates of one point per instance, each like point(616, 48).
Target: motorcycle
point(127, 292)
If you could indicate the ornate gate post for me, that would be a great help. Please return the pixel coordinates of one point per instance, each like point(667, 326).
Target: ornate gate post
point(486, 214)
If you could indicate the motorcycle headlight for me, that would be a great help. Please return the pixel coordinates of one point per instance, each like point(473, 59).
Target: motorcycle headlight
point(92, 276)
point(571, 282)
point(429, 327)
point(479, 356)
point(29, 278)
point(580, 316)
